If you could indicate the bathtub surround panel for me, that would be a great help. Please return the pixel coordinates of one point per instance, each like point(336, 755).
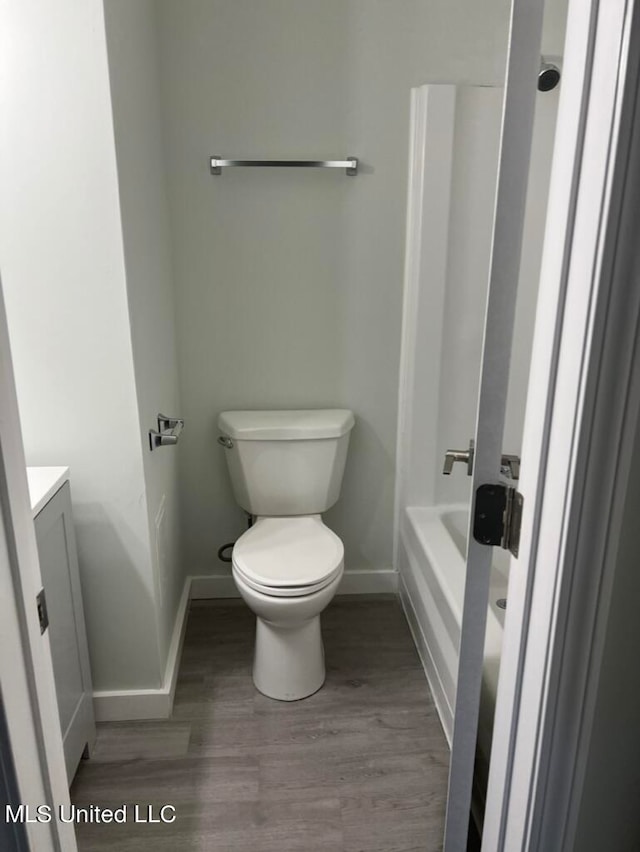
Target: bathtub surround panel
point(456, 132)
point(288, 281)
point(477, 134)
point(136, 102)
point(455, 291)
point(478, 119)
point(431, 156)
point(451, 295)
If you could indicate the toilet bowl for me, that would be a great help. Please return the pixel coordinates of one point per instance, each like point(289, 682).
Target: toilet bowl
point(287, 570)
point(286, 469)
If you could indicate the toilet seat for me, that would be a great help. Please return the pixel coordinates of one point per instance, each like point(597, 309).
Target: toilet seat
point(288, 557)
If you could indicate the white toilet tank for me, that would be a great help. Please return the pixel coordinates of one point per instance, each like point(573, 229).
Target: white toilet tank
point(286, 462)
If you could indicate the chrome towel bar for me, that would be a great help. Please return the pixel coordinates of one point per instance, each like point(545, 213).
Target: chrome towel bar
point(350, 164)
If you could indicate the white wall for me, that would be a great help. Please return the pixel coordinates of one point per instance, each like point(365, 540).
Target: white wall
point(135, 96)
point(289, 284)
point(63, 276)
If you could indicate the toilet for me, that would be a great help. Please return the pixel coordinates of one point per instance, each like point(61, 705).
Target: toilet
point(286, 469)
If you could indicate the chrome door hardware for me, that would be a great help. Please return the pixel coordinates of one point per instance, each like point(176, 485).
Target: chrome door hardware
point(510, 466)
point(464, 456)
point(165, 422)
point(43, 615)
point(498, 516)
point(168, 433)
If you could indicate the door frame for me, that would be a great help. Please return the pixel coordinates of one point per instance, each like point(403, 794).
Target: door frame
point(26, 670)
point(585, 379)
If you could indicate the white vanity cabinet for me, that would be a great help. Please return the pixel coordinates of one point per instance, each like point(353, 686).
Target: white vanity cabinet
point(51, 507)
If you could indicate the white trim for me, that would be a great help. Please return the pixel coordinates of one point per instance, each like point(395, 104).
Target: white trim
point(369, 582)
point(130, 704)
point(206, 586)
point(177, 640)
point(384, 581)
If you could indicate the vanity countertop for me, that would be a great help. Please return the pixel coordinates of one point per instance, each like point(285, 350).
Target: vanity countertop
point(43, 484)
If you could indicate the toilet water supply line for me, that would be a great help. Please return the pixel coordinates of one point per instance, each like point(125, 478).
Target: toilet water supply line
point(230, 545)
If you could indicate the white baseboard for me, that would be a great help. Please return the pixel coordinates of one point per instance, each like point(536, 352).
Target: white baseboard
point(132, 704)
point(369, 582)
point(213, 586)
point(177, 641)
point(353, 583)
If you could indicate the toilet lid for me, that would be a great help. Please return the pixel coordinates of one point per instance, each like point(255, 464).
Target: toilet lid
point(280, 555)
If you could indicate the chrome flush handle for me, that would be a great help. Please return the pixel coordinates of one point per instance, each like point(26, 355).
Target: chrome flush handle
point(464, 456)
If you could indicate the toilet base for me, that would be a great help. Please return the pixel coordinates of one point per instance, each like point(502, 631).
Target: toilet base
point(289, 660)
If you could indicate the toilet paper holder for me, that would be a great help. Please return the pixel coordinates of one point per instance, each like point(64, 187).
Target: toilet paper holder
point(168, 432)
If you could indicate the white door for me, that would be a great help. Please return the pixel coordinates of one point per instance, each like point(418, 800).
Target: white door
point(513, 171)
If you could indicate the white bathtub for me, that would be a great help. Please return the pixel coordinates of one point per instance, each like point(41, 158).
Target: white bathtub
point(432, 555)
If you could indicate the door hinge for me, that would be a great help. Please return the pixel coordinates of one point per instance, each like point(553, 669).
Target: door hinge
point(498, 516)
point(43, 615)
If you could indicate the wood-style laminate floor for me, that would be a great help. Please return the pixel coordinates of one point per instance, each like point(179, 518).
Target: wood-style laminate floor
point(361, 766)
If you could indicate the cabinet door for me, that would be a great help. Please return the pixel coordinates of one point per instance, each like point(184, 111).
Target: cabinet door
point(59, 567)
